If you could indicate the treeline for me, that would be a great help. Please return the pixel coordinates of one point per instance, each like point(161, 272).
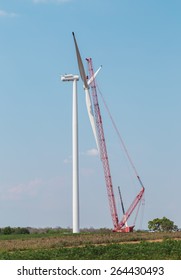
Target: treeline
point(17, 230)
point(58, 230)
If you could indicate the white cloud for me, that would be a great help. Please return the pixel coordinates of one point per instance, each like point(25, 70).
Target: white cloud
point(51, 1)
point(89, 153)
point(92, 152)
point(18, 191)
point(31, 189)
point(68, 160)
point(4, 13)
point(87, 172)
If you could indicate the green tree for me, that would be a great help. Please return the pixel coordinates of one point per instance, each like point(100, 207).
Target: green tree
point(20, 230)
point(163, 224)
point(7, 230)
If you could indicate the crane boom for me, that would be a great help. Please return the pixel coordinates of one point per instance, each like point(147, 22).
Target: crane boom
point(131, 208)
point(102, 148)
point(122, 225)
point(121, 199)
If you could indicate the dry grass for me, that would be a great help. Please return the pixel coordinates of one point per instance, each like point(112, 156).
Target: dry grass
point(60, 241)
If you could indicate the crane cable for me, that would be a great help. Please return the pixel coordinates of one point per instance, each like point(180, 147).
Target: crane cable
point(120, 137)
point(142, 211)
point(142, 201)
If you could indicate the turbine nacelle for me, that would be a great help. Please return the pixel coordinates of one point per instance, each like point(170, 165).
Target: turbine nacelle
point(69, 77)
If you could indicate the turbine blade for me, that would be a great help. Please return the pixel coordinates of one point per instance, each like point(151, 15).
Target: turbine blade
point(94, 76)
point(87, 94)
point(80, 64)
point(91, 116)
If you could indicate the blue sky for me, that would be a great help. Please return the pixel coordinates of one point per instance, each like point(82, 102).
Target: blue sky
point(138, 43)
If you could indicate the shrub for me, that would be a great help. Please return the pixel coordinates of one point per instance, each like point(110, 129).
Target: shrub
point(20, 230)
point(7, 230)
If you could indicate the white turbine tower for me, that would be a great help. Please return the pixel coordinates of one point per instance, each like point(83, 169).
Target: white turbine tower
point(75, 161)
point(75, 176)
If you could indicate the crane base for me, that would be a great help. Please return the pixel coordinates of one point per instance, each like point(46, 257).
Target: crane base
point(125, 229)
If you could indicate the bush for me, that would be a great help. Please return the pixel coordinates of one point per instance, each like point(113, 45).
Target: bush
point(21, 231)
point(8, 230)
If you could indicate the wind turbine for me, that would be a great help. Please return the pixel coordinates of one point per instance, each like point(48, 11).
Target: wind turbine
point(75, 159)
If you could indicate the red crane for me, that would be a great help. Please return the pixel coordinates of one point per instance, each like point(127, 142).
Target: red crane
point(119, 226)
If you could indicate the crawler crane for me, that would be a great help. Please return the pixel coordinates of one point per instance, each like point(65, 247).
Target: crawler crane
point(119, 226)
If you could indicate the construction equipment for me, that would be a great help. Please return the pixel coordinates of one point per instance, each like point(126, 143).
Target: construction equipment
point(122, 225)
point(119, 226)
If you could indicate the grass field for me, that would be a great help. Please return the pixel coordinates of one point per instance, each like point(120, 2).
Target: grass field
point(91, 246)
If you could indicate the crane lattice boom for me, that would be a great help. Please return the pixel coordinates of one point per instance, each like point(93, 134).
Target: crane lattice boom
point(131, 208)
point(118, 226)
point(102, 148)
